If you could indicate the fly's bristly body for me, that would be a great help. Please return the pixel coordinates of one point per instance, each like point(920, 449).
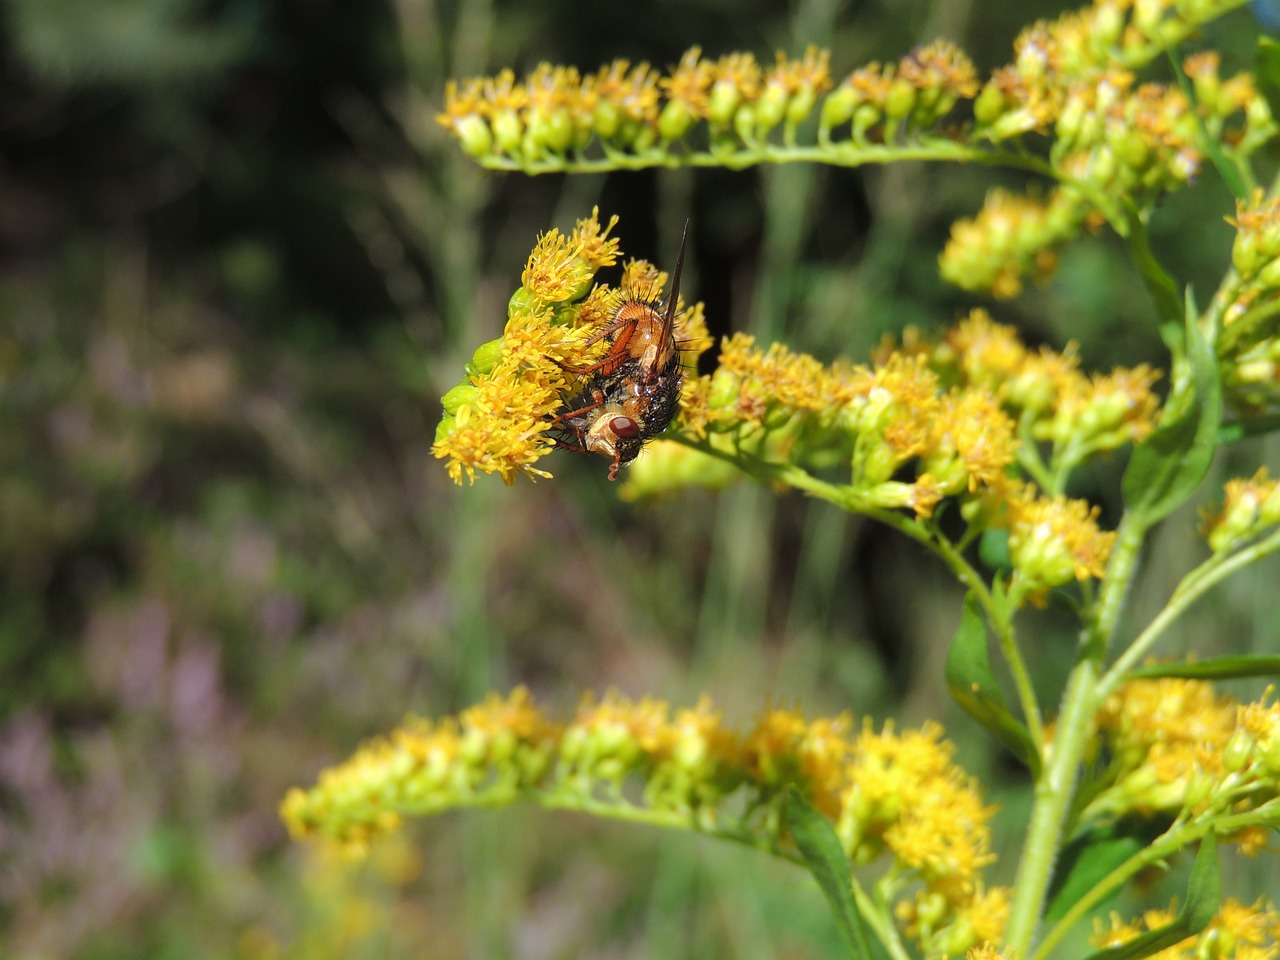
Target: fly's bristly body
point(632, 393)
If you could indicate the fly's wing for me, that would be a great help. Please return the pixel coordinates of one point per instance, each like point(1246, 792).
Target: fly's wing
point(669, 319)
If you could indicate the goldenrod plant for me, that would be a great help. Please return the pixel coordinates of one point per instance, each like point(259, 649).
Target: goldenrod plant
point(966, 442)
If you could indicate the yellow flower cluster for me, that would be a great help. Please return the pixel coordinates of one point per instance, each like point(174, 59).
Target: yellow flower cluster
point(497, 419)
point(1239, 931)
point(1249, 507)
point(736, 103)
point(1080, 415)
point(1112, 138)
point(885, 792)
point(1177, 747)
point(778, 405)
point(1249, 341)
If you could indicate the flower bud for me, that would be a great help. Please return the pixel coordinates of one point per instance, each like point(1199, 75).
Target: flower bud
point(900, 101)
point(837, 107)
point(771, 108)
point(675, 120)
point(463, 393)
point(486, 356)
point(801, 105)
point(474, 136)
point(989, 106)
point(724, 100)
point(508, 131)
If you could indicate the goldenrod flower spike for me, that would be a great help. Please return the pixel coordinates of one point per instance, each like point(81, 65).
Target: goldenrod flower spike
point(497, 419)
point(899, 796)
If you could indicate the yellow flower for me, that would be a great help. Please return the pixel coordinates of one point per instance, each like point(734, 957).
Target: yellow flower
point(1054, 541)
point(784, 749)
point(1248, 508)
point(498, 419)
point(1242, 931)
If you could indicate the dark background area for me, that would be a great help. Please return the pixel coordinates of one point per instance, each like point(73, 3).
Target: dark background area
point(239, 264)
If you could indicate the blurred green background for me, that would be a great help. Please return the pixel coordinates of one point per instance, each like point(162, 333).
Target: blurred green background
point(239, 263)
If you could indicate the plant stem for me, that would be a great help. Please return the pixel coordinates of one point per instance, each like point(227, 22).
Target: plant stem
point(1193, 586)
point(1056, 786)
point(1053, 795)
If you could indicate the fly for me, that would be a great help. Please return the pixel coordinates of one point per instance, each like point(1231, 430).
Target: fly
point(632, 393)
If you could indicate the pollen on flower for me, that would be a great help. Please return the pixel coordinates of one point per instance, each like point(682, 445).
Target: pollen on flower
point(690, 82)
point(785, 748)
point(499, 419)
point(1052, 541)
point(1251, 930)
point(1248, 508)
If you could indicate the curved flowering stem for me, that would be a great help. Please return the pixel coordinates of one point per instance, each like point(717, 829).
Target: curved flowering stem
point(1178, 837)
point(850, 500)
point(1189, 589)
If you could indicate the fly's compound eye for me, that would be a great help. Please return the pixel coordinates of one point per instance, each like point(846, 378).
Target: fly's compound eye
point(624, 427)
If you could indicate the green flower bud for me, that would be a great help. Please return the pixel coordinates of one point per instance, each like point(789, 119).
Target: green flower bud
point(463, 393)
point(606, 119)
point(1040, 557)
point(989, 106)
point(559, 130)
point(771, 108)
point(744, 123)
point(801, 105)
point(1133, 150)
point(486, 356)
point(474, 136)
point(837, 107)
point(675, 120)
point(725, 98)
point(508, 131)
point(1238, 751)
point(865, 116)
point(1269, 274)
point(1271, 759)
point(645, 137)
point(900, 101)
point(1244, 253)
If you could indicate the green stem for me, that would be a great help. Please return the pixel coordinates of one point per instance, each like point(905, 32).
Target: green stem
point(852, 501)
point(1053, 795)
point(1179, 835)
point(1056, 786)
point(1193, 586)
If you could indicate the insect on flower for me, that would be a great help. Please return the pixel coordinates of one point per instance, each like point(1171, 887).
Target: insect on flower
point(632, 393)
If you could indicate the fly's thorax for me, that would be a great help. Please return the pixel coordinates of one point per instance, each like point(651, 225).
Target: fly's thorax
point(648, 337)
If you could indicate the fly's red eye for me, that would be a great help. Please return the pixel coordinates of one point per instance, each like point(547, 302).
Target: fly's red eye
point(624, 427)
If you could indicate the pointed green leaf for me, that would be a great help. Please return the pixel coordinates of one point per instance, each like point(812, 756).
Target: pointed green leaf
point(1204, 893)
point(974, 687)
point(1215, 668)
point(1086, 859)
point(1266, 72)
point(1170, 464)
point(820, 847)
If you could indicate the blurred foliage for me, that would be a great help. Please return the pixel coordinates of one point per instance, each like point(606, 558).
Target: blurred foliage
point(238, 261)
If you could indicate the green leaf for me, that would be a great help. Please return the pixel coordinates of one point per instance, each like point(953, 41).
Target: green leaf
point(1215, 668)
point(1204, 893)
point(993, 549)
point(1170, 464)
point(1086, 860)
point(1266, 72)
point(974, 687)
point(820, 847)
